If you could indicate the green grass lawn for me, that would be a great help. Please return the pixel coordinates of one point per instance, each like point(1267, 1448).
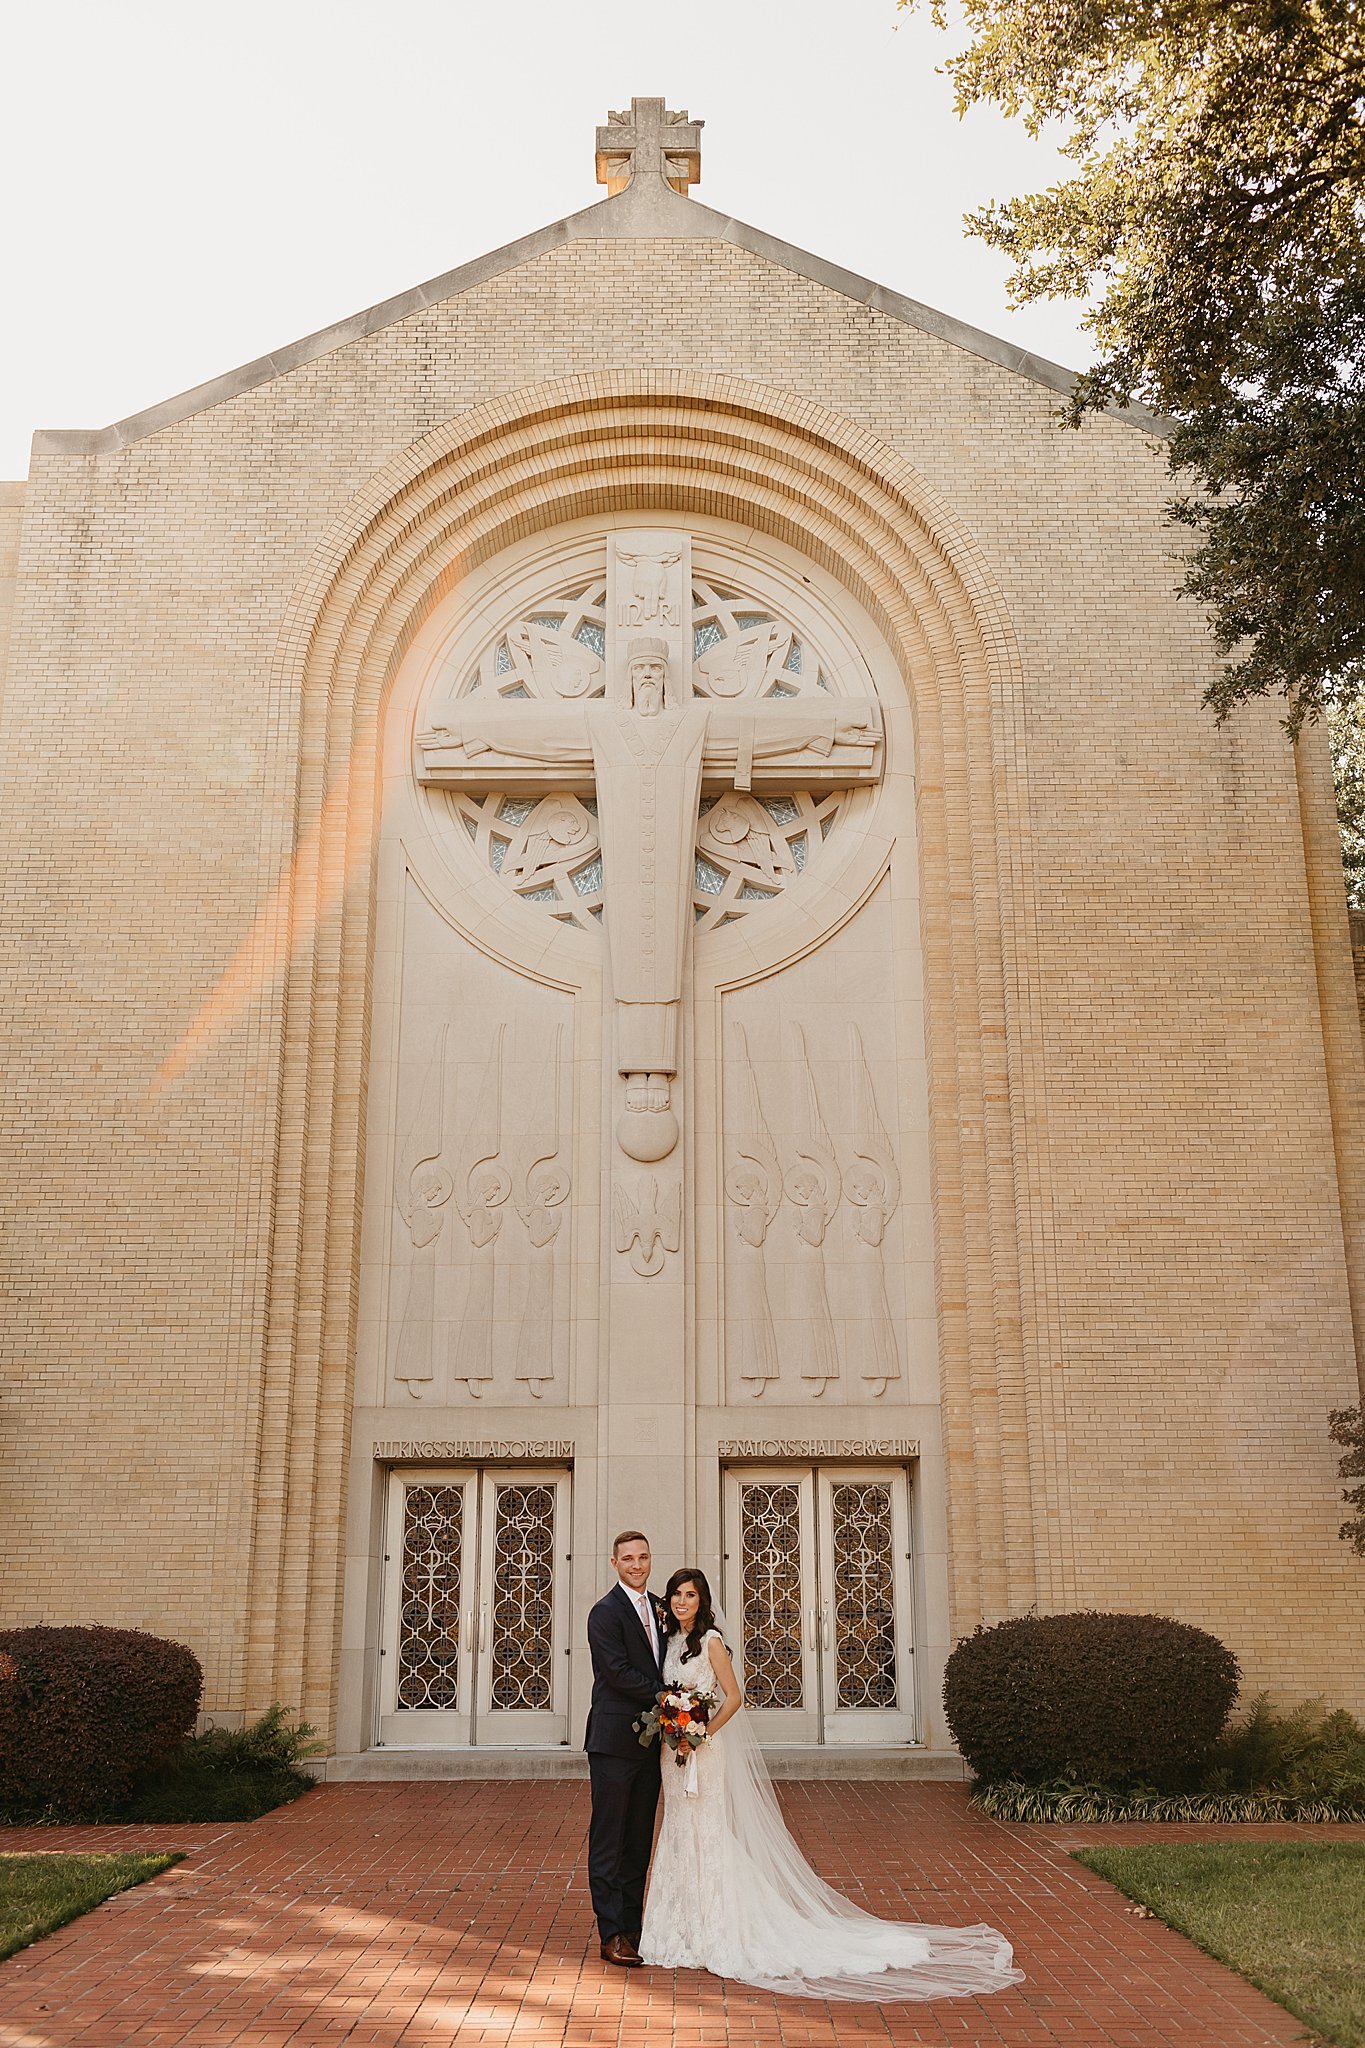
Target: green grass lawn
point(38, 1893)
point(1290, 1916)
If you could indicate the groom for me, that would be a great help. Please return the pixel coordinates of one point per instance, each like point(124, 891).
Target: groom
point(625, 1635)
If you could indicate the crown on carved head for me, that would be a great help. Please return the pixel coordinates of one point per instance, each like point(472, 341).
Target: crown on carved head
point(648, 650)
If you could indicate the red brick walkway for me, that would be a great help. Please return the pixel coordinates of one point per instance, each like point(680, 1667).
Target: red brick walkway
point(412, 1916)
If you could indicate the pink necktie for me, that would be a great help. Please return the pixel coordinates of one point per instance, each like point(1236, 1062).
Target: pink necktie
point(648, 1619)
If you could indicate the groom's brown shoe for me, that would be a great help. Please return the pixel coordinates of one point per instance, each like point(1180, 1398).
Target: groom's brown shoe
point(621, 1950)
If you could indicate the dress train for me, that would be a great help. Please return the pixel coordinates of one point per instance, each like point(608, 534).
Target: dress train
point(730, 1892)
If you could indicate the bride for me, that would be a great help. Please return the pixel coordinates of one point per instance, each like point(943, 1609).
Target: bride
point(730, 1892)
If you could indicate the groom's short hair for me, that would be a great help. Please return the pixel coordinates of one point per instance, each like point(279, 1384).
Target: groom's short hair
point(628, 1536)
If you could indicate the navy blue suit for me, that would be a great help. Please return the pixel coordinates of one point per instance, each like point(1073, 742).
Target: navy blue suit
point(626, 1680)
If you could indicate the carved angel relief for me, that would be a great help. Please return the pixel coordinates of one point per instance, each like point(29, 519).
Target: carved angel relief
point(545, 1188)
point(510, 1197)
point(422, 1188)
point(808, 1292)
point(813, 1185)
point(746, 664)
point(873, 1186)
point(482, 1187)
point(558, 833)
point(753, 1185)
point(738, 829)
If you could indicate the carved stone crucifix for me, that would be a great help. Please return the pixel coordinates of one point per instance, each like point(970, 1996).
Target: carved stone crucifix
point(649, 749)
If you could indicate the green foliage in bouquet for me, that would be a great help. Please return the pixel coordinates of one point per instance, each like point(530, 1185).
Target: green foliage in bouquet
point(677, 1719)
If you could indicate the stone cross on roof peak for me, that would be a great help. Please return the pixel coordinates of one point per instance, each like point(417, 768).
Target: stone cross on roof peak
point(651, 142)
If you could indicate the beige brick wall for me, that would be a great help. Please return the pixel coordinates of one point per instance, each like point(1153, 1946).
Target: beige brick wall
point(1179, 1308)
point(11, 513)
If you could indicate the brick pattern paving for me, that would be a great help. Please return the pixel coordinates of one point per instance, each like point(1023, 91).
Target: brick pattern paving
point(412, 1916)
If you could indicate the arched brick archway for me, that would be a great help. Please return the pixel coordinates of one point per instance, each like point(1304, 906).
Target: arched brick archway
point(610, 445)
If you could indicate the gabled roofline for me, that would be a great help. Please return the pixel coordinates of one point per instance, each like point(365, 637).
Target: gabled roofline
point(646, 207)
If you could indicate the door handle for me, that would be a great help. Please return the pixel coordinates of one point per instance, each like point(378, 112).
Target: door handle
point(813, 1637)
point(468, 1637)
point(824, 1612)
point(483, 1630)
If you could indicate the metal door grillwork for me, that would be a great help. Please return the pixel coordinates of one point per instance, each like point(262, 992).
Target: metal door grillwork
point(770, 1538)
point(864, 1596)
point(523, 1597)
point(429, 1620)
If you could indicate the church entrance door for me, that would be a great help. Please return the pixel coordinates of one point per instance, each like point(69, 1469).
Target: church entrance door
point(818, 1582)
point(475, 1608)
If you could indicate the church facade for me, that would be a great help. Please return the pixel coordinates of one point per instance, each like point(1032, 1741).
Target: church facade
point(620, 913)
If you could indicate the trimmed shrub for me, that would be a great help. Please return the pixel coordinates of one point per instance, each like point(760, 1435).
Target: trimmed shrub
point(1093, 1699)
point(86, 1712)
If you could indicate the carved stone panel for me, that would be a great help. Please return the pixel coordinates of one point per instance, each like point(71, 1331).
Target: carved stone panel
point(483, 1180)
point(828, 1295)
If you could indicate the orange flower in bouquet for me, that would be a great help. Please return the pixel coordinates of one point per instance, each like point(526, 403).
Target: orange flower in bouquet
point(678, 1718)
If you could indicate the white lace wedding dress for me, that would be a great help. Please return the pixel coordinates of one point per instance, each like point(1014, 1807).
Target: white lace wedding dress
point(730, 1892)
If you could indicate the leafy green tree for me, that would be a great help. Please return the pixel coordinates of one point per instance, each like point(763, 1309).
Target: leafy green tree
point(1347, 1428)
point(1346, 730)
point(1216, 219)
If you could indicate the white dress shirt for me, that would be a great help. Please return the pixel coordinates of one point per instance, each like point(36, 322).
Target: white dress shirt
point(642, 1602)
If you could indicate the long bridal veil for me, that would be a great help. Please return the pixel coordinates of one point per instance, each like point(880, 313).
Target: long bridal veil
point(843, 1951)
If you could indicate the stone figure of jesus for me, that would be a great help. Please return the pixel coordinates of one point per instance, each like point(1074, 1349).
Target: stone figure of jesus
point(648, 750)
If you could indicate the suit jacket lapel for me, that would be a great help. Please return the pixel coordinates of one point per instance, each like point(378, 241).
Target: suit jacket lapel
point(634, 1614)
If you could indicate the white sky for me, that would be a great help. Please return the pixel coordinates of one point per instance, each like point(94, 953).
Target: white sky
point(191, 185)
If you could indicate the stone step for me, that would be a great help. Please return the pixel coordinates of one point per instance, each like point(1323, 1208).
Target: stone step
point(401, 1766)
point(905, 1761)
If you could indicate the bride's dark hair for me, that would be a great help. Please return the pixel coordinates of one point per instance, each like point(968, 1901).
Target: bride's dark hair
point(706, 1613)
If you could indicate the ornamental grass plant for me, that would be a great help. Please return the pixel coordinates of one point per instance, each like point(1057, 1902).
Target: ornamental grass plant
point(1075, 1804)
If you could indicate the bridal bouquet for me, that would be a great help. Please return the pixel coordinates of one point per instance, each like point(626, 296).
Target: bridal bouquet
point(679, 1717)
